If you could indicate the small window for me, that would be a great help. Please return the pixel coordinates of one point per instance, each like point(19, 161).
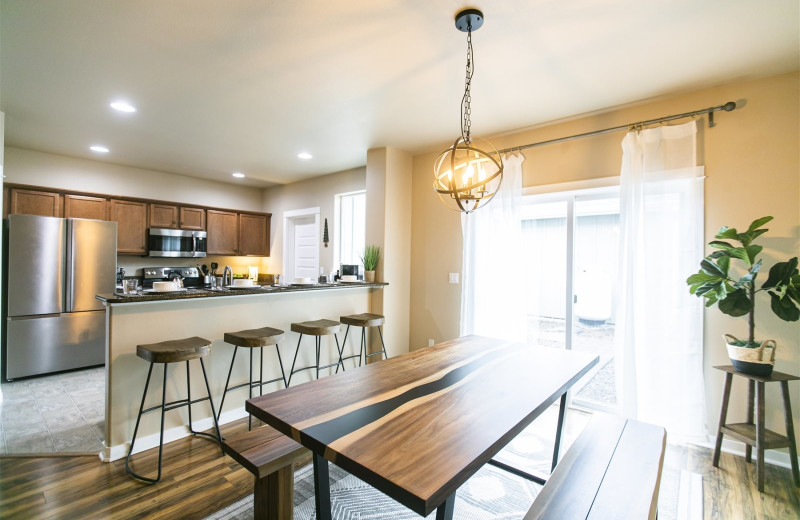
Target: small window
point(349, 227)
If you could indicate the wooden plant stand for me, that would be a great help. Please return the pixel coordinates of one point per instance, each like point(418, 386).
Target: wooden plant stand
point(755, 434)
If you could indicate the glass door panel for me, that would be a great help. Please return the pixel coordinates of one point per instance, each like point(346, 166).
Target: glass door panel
point(595, 260)
point(544, 229)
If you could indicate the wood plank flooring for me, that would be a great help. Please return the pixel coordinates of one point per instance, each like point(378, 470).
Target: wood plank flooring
point(198, 481)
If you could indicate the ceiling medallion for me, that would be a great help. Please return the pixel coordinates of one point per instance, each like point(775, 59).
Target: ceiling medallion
point(466, 177)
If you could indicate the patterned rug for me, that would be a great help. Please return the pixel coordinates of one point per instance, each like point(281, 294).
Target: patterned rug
point(490, 493)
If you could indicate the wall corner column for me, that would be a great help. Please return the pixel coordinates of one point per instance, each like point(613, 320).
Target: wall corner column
point(388, 182)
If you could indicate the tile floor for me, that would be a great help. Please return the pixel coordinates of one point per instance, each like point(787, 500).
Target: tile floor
point(58, 413)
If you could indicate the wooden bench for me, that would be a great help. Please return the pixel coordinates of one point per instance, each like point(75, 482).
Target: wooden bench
point(269, 456)
point(613, 470)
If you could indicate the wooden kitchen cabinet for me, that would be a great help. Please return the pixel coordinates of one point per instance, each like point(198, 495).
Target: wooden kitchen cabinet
point(32, 202)
point(163, 216)
point(253, 235)
point(193, 218)
point(81, 206)
point(223, 232)
point(131, 219)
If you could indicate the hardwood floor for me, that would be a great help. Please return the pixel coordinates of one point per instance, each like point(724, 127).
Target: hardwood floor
point(198, 481)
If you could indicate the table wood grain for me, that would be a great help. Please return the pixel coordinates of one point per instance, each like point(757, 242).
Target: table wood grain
point(417, 426)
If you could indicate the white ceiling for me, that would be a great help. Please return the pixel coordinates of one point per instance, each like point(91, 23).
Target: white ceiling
point(244, 85)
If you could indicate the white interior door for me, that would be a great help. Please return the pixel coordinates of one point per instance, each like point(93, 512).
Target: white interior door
point(306, 248)
point(301, 244)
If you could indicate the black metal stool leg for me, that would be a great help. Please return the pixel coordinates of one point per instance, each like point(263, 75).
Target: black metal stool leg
point(317, 342)
point(228, 381)
point(341, 352)
point(339, 349)
point(136, 429)
point(213, 414)
point(280, 364)
point(362, 349)
point(297, 351)
point(250, 392)
point(385, 355)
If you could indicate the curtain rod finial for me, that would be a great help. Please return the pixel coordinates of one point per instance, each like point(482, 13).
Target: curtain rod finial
point(729, 106)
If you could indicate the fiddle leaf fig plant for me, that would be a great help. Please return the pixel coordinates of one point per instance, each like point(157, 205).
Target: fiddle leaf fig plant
point(736, 296)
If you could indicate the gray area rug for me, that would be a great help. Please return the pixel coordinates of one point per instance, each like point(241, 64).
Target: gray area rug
point(490, 493)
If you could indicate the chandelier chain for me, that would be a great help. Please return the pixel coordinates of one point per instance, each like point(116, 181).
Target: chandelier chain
point(466, 110)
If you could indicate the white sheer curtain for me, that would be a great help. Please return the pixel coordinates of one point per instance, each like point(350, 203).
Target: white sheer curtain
point(492, 302)
point(659, 356)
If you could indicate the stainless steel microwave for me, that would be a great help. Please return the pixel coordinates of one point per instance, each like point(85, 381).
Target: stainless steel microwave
point(176, 243)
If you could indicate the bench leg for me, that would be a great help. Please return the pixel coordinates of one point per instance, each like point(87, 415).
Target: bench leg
point(273, 497)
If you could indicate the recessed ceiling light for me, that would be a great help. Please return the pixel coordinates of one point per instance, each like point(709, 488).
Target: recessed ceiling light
point(304, 155)
point(99, 149)
point(123, 106)
point(238, 175)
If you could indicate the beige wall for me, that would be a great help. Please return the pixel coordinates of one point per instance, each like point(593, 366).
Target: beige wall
point(317, 192)
point(752, 160)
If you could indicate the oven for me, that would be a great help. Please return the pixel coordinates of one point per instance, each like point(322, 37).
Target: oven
point(176, 243)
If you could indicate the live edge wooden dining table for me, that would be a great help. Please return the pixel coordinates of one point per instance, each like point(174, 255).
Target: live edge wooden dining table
point(417, 426)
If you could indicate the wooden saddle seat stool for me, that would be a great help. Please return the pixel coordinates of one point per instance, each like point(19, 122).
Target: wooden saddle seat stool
point(166, 352)
point(363, 320)
point(252, 339)
point(316, 328)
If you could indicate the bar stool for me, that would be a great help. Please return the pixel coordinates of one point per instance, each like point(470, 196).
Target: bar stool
point(317, 328)
point(166, 352)
point(363, 320)
point(252, 339)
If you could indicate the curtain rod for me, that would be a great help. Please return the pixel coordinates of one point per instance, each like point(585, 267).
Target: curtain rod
point(727, 107)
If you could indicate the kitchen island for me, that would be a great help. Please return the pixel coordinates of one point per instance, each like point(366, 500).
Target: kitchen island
point(147, 317)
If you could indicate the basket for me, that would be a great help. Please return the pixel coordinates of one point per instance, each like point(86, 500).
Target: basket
point(757, 361)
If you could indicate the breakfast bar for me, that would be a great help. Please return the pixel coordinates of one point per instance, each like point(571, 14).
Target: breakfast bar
point(149, 317)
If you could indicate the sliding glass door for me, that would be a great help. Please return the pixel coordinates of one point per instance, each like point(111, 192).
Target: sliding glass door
point(572, 239)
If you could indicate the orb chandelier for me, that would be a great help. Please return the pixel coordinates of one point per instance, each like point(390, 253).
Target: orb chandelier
point(466, 176)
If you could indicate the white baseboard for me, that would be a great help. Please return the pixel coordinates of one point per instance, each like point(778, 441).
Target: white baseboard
point(147, 442)
point(778, 458)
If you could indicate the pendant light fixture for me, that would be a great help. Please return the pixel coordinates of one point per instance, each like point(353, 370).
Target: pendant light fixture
point(466, 177)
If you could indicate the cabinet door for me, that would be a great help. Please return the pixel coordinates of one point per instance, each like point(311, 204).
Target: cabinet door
point(131, 219)
point(31, 202)
point(163, 216)
point(223, 236)
point(80, 206)
point(253, 235)
point(193, 218)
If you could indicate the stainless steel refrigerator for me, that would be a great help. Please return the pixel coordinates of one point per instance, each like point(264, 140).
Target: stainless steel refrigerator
point(55, 267)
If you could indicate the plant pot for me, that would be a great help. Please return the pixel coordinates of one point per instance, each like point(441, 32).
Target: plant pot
point(757, 361)
point(369, 276)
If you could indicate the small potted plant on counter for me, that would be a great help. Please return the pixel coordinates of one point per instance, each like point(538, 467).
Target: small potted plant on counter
point(372, 254)
point(737, 296)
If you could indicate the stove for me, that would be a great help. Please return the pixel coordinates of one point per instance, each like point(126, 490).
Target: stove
point(191, 276)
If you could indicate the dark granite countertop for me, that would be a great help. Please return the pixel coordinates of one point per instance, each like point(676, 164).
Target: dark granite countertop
point(141, 296)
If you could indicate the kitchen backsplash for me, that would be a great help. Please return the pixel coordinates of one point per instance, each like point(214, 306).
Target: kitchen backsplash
point(133, 265)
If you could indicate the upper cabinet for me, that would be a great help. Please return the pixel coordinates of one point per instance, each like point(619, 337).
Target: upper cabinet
point(163, 216)
point(193, 218)
point(230, 233)
point(223, 233)
point(81, 206)
point(177, 217)
point(131, 219)
point(253, 235)
point(31, 202)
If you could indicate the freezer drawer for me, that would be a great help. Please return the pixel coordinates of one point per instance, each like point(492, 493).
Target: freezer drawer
point(51, 343)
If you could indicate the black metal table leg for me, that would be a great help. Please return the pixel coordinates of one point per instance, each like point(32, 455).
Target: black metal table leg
point(445, 511)
point(562, 409)
point(322, 488)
